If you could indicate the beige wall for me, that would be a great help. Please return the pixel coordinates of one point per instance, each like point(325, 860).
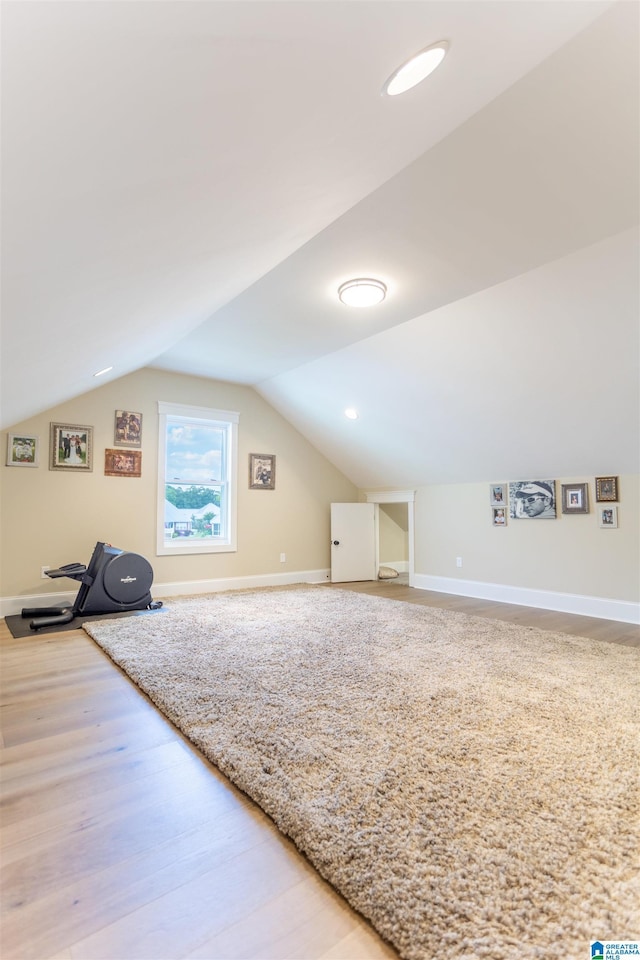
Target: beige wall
point(393, 532)
point(571, 554)
point(56, 517)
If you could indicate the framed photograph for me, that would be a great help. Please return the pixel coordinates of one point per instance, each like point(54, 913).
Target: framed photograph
point(532, 500)
point(499, 516)
point(606, 488)
point(608, 517)
point(575, 498)
point(262, 471)
point(22, 451)
point(498, 494)
point(71, 447)
point(122, 463)
point(128, 429)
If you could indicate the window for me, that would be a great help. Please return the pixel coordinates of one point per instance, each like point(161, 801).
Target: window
point(197, 479)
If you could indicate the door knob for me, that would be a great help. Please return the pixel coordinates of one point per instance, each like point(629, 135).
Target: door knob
point(336, 543)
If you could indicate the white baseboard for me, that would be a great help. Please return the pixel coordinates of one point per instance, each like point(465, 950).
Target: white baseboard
point(12, 605)
point(181, 589)
point(622, 610)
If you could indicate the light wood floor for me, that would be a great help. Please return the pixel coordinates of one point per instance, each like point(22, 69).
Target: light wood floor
point(118, 840)
point(610, 631)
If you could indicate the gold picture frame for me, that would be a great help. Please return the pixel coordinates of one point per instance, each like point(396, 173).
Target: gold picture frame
point(71, 447)
point(606, 489)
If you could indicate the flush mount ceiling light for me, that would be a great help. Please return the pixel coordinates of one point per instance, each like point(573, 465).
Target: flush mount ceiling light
point(351, 414)
point(363, 292)
point(416, 69)
point(100, 373)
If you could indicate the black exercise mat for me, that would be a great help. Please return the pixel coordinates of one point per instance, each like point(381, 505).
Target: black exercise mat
point(19, 626)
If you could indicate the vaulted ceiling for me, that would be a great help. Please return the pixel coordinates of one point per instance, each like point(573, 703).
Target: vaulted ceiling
point(185, 185)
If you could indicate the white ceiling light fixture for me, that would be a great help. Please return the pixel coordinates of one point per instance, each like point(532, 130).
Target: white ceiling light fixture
point(363, 292)
point(415, 70)
point(101, 373)
point(351, 414)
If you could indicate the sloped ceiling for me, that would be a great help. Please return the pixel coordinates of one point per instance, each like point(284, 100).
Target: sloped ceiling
point(186, 184)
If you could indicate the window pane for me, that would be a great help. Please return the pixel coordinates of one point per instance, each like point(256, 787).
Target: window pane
point(195, 452)
point(194, 490)
point(197, 479)
point(192, 510)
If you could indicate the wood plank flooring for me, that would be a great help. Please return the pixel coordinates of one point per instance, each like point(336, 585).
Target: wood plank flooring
point(611, 631)
point(118, 840)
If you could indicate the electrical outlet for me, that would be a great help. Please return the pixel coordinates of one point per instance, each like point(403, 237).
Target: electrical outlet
point(43, 572)
point(283, 558)
point(458, 561)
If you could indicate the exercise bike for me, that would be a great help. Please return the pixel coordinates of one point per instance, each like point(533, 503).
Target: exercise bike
point(114, 581)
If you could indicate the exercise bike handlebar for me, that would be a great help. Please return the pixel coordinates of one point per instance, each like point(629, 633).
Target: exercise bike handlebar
point(72, 570)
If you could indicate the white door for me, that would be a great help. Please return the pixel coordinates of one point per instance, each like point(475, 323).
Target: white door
point(353, 542)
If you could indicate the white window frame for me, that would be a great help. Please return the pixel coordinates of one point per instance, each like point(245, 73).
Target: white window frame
point(186, 412)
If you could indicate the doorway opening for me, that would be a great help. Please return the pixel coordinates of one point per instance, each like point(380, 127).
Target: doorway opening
point(393, 542)
point(395, 528)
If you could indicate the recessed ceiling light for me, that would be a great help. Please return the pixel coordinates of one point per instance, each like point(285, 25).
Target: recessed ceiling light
point(351, 413)
point(416, 69)
point(363, 292)
point(101, 372)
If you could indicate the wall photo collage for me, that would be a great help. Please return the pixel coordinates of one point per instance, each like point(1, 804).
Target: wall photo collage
point(536, 500)
point(71, 447)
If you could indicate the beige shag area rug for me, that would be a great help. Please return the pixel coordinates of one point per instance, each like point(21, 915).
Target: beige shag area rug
point(469, 785)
